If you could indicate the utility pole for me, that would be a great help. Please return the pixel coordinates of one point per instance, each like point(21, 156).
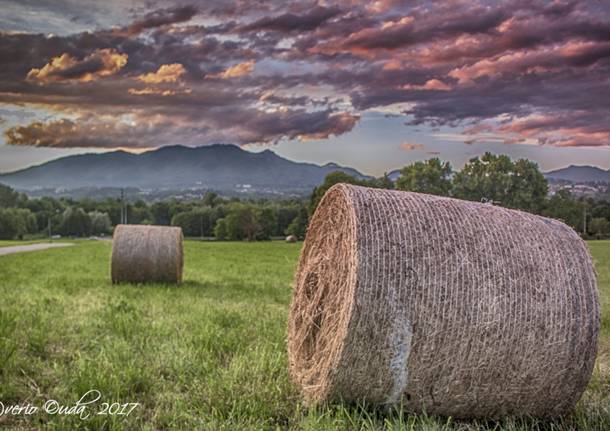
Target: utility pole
point(123, 208)
point(49, 225)
point(584, 224)
point(121, 200)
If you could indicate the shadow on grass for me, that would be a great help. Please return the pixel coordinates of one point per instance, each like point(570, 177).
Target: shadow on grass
point(401, 418)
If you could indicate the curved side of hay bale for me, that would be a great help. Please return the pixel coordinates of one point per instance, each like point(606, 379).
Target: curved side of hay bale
point(147, 254)
point(451, 307)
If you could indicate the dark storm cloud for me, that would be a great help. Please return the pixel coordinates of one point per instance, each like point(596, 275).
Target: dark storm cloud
point(407, 32)
point(148, 131)
point(162, 17)
point(243, 72)
point(290, 22)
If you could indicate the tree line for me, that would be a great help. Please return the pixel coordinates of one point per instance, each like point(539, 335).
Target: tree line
point(490, 178)
point(212, 216)
point(494, 179)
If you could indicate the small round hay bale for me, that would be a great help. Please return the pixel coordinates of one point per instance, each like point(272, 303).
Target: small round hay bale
point(291, 238)
point(147, 254)
point(447, 306)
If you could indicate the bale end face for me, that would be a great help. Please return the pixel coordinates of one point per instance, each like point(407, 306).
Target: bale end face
point(322, 300)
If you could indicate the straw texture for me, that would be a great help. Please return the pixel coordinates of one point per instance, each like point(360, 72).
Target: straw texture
point(147, 254)
point(450, 307)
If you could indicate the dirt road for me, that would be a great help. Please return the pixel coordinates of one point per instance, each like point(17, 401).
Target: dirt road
point(31, 247)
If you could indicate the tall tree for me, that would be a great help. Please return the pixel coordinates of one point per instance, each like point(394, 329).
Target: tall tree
point(267, 220)
point(8, 224)
point(298, 226)
point(383, 182)
point(329, 181)
point(529, 188)
point(9, 198)
point(241, 222)
point(486, 177)
point(518, 184)
point(196, 222)
point(75, 222)
point(600, 227)
point(100, 223)
point(211, 199)
point(285, 216)
point(160, 213)
point(562, 206)
point(431, 176)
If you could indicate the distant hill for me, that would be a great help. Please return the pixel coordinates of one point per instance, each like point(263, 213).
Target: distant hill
point(217, 167)
point(576, 174)
point(395, 174)
point(580, 174)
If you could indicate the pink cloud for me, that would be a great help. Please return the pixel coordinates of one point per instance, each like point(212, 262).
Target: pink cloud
point(410, 146)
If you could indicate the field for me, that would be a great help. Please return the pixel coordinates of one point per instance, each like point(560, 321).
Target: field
point(209, 354)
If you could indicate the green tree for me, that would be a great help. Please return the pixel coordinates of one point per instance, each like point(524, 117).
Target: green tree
point(241, 223)
point(9, 198)
point(431, 176)
point(329, 181)
point(160, 213)
point(42, 210)
point(562, 206)
point(285, 214)
point(197, 222)
point(100, 223)
point(383, 182)
point(138, 213)
point(112, 207)
point(298, 226)
point(529, 188)
point(267, 219)
point(16, 222)
point(8, 224)
point(518, 185)
point(600, 208)
point(28, 220)
point(220, 230)
point(211, 199)
point(486, 177)
point(75, 222)
point(600, 227)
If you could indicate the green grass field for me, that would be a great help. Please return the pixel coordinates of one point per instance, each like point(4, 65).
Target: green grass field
point(209, 354)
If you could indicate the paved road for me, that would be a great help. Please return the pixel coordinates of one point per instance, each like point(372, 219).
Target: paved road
point(31, 247)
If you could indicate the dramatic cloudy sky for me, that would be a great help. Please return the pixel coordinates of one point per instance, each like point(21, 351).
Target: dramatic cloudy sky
point(372, 84)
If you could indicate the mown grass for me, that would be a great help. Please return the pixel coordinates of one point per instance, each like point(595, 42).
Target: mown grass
point(209, 354)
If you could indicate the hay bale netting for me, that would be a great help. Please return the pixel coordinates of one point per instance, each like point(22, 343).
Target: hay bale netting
point(450, 307)
point(147, 254)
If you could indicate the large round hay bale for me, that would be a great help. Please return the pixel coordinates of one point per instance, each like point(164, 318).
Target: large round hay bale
point(448, 306)
point(147, 254)
point(291, 238)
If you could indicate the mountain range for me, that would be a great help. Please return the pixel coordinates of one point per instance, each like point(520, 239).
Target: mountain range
point(215, 167)
point(224, 168)
point(580, 174)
